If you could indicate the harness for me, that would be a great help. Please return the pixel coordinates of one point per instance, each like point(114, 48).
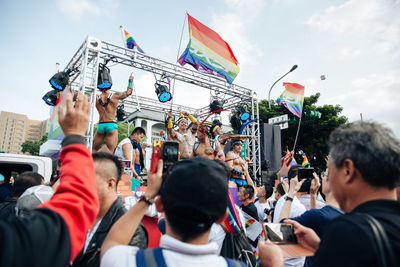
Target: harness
point(104, 105)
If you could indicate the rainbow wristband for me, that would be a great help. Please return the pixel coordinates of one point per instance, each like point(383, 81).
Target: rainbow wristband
point(130, 84)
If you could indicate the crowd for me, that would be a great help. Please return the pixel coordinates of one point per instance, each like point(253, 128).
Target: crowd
point(348, 217)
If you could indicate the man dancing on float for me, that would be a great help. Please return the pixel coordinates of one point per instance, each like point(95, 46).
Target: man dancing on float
point(185, 137)
point(239, 167)
point(106, 105)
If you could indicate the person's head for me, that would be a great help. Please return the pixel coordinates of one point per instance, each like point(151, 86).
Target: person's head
point(362, 156)
point(26, 180)
point(279, 192)
point(202, 132)
point(216, 128)
point(237, 146)
point(108, 173)
point(246, 192)
point(182, 123)
point(31, 198)
point(195, 126)
point(193, 196)
point(137, 134)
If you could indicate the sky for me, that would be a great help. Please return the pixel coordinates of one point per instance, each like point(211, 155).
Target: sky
point(354, 43)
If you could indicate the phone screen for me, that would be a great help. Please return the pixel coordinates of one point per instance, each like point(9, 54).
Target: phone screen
point(305, 173)
point(280, 233)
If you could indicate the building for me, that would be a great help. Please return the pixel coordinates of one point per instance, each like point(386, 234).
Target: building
point(17, 128)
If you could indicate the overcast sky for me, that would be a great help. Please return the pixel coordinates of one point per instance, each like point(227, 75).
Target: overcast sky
point(354, 43)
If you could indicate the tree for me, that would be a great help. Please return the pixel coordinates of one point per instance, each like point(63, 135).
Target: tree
point(33, 147)
point(314, 132)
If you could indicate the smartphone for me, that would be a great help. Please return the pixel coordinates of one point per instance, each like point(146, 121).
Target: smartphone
point(305, 173)
point(168, 151)
point(280, 233)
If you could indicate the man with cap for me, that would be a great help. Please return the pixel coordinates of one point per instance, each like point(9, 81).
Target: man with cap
point(239, 167)
point(184, 136)
point(188, 216)
point(106, 105)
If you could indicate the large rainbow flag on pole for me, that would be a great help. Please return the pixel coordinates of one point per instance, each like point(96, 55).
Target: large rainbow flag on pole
point(131, 43)
point(207, 52)
point(292, 98)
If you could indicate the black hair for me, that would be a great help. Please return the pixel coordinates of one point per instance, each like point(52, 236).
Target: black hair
point(269, 189)
point(248, 189)
point(280, 190)
point(103, 156)
point(138, 130)
point(26, 180)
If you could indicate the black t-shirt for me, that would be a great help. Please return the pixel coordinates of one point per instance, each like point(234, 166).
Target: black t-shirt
point(348, 240)
point(251, 210)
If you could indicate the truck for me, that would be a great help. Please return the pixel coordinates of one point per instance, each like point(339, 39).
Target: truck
point(14, 164)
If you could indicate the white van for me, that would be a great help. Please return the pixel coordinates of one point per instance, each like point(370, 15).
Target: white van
point(17, 163)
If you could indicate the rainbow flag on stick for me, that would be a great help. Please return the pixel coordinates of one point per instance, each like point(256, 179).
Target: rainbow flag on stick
point(292, 98)
point(131, 43)
point(305, 162)
point(207, 52)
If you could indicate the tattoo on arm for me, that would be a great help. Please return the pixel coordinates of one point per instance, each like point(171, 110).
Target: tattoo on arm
point(125, 94)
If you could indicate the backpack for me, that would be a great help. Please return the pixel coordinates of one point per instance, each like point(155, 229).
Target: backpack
point(236, 246)
point(155, 258)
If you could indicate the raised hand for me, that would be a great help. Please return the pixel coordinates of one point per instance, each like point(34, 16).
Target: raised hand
point(76, 118)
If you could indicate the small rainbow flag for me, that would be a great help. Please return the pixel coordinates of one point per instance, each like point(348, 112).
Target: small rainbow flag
point(207, 52)
point(131, 43)
point(292, 98)
point(305, 162)
point(232, 223)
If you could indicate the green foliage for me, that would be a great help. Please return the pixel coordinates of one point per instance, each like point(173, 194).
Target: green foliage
point(33, 147)
point(314, 130)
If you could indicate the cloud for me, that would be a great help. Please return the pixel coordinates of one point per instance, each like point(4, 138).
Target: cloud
point(373, 25)
point(80, 7)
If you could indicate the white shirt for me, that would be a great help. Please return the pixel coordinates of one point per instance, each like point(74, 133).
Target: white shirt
point(305, 200)
point(260, 210)
point(119, 153)
point(175, 252)
point(90, 234)
point(295, 210)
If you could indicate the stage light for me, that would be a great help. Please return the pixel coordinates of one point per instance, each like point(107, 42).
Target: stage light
point(162, 92)
point(244, 114)
point(235, 122)
point(51, 97)
point(60, 80)
point(216, 105)
point(104, 81)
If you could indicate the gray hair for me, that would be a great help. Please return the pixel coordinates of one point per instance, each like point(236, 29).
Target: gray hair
point(374, 150)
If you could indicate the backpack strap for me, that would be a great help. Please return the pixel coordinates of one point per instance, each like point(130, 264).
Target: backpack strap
point(233, 263)
point(150, 258)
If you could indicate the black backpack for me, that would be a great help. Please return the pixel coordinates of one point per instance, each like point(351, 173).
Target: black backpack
point(236, 246)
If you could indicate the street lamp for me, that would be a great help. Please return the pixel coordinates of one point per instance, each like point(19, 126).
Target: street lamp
point(269, 93)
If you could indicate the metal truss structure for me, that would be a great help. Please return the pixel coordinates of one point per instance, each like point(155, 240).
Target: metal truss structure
point(85, 66)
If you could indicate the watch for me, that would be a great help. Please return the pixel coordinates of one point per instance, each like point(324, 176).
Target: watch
point(146, 199)
point(288, 198)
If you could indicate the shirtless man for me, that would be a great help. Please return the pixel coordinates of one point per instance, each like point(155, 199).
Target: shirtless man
point(205, 147)
point(106, 105)
point(239, 167)
point(222, 137)
point(184, 137)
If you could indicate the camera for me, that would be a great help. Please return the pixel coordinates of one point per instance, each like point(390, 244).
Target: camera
point(305, 173)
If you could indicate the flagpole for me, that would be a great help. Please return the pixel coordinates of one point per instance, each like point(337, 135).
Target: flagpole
point(297, 134)
point(177, 57)
point(122, 35)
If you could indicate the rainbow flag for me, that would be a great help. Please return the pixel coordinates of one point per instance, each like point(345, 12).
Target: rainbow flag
point(207, 52)
point(305, 161)
point(292, 98)
point(232, 223)
point(131, 43)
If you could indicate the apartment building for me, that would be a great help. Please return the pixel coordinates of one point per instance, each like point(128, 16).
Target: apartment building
point(15, 129)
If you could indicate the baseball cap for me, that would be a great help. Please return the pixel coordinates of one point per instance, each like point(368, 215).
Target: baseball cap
point(33, 197)
point(1, 177)
point(196, 190)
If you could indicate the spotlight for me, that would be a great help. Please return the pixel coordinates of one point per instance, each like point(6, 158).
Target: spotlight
point(216, 105)
point(60, 80)
point(121, 113)
point(51, 97)
point(244, 114)
point(235, 122)
point(104, 81)
point(162, 92)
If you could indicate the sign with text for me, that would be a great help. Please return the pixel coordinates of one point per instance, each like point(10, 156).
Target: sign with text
point(282, 121)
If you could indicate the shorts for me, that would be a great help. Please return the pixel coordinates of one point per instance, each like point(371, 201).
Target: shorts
point(106, 127)
point(137, 168)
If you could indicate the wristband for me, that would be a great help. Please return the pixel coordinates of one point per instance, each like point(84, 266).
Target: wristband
point(288, 198)
point(130, 84)
point(169, 123)
point(146, 199)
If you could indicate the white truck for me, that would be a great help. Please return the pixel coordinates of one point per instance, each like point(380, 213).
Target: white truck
point(11, 164)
